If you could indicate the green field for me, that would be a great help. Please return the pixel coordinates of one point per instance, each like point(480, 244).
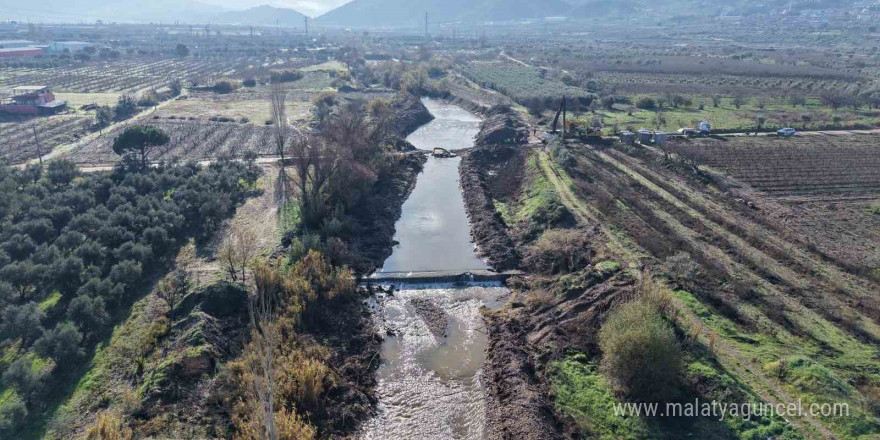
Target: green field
point(778, 113)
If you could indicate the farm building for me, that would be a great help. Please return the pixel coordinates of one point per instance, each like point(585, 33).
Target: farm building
point(660, 137)
point(71, 46)
point(627, 137)
point(31, 100)
point(645, 136)
point(9, 44)
point(16, 52)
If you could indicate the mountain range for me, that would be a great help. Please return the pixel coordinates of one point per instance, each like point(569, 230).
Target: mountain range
point(382, 13)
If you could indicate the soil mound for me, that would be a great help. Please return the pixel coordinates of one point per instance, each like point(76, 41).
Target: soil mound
point(502, 126)
point(409, 114)
point(433, 316)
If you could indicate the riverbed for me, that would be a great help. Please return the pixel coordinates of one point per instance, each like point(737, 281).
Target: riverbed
point(430, 378)
point(433, 232)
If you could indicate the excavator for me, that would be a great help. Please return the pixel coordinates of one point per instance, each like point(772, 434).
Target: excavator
point(574, 130)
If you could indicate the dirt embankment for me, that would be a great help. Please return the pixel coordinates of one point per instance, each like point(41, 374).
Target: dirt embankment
point(488, 228)
point(344, 326)
point(502, 125)
point(376, 214)
point(528, 335)
point(409, 113)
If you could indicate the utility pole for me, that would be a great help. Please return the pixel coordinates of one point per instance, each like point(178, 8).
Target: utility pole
point(306, 19)
point(37, 143)
point(564, 111)
point(426, 25)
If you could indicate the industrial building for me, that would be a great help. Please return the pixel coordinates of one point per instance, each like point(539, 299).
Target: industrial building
point(21, 52)
point(71, 46)
point(9, 44)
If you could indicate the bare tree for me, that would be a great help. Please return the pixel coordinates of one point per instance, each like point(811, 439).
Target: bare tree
point(316, 161)
point(272, 291)
point(280, 136)
point(238, 250)
point(174, 287)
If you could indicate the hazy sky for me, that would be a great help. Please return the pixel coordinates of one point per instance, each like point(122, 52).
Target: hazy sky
point(309, 7)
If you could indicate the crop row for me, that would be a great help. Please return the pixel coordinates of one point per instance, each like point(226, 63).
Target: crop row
point(518, 81)
point(197, 140)
point(120, 76)
point(18, 142)
point(800, 166)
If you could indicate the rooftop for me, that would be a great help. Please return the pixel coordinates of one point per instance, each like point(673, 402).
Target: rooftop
point(28, 88)
point(18, 49)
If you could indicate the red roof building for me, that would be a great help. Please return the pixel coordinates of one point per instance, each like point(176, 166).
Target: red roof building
point(32, 100)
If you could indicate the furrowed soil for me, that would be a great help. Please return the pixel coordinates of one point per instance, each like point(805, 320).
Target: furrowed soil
point(765, 291)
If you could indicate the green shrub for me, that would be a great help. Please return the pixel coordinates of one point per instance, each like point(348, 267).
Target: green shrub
point(283, 76)
point(226, 85)
point(640, 355)
point(646, 103)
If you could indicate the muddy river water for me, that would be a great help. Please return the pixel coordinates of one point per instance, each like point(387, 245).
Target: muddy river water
point(430, 382)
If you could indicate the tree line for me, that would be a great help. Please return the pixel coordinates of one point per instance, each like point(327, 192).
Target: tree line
point(75, 250)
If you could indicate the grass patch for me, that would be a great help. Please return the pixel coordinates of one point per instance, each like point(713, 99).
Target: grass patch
point(328, 66)
point(50, 301)
point(778, 113)
point(504, 210)
point(539, 207)
point(608, 266)
point(580, 391)
point(814, 369)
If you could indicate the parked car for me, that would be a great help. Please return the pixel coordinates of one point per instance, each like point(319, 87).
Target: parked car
point(786, 132)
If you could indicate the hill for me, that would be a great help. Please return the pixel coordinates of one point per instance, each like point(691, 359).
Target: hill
point(386, 13)
point(264, 15)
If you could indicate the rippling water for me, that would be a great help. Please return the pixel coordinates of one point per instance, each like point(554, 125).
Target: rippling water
point(429, 384)
point(431, 387)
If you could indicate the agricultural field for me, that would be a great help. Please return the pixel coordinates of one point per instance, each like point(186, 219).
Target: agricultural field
point(125, 76)
point(778, 308)
point(800, 167)
point(825, 187)
point(76, 100)
point(519, 82)
point(18, 143)
point(249, 105)
point(777, 112)
point(190, 139)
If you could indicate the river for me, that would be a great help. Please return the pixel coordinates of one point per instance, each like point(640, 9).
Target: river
point(430, 381)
